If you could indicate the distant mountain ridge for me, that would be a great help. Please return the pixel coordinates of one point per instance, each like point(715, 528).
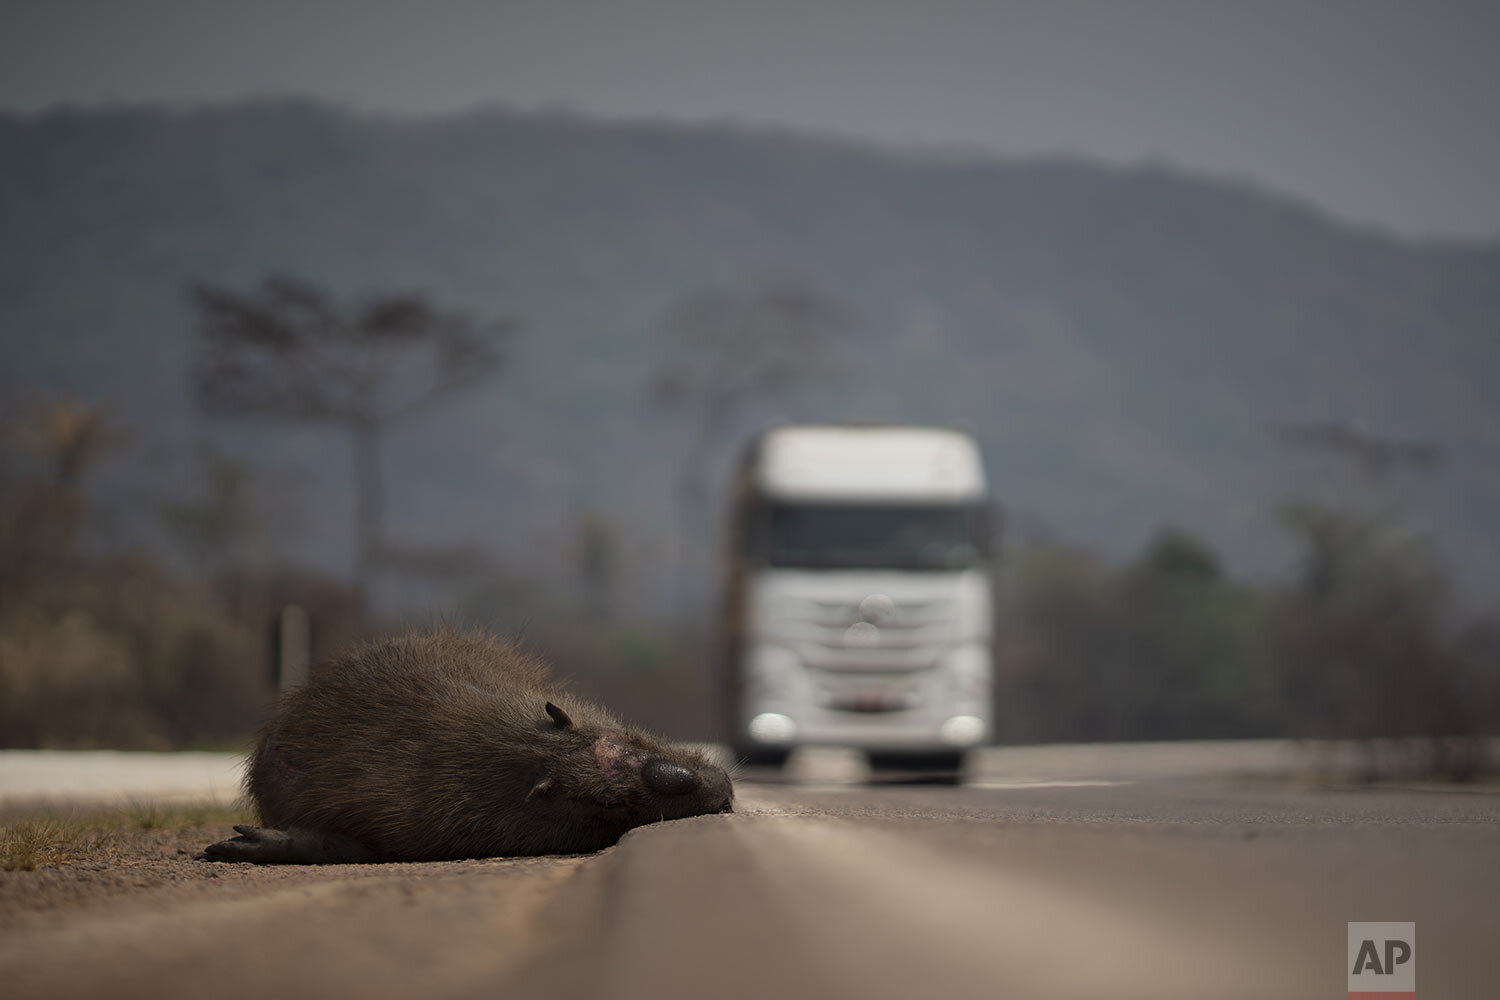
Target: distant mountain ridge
point(1122, 341)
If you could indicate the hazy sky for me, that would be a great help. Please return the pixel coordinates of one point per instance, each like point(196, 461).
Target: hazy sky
point(1382, 112)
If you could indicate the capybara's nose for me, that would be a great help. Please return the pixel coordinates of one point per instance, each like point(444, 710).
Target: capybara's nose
point(667, 778)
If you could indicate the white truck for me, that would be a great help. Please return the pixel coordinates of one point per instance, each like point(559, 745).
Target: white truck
point(860, 594)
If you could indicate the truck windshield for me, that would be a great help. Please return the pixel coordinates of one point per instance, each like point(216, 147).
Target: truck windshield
point(869, 536)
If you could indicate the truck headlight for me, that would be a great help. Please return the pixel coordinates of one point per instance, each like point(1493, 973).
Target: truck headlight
point(773, 727)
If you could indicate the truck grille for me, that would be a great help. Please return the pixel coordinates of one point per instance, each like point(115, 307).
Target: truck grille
point(911, 635)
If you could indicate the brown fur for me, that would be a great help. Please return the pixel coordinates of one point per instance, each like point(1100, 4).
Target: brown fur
point(444, 744)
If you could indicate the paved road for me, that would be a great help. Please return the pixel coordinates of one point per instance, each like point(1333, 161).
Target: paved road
point(105, 775)
point(1062, 881)
point(1190, 889)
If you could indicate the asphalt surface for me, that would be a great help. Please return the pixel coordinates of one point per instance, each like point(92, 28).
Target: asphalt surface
point(1152, 889)
point(1166, 871)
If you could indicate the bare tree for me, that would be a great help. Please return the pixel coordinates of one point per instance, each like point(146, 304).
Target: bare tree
point(1369, 639)
point(731, 349)
point(286, 351)
point(70, 435)
point(1374, 457)
point(40, 519)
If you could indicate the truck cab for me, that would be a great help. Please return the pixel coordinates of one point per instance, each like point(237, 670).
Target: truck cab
point(860, 594)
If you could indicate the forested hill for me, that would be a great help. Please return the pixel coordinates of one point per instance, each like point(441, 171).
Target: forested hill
point(1123, 341)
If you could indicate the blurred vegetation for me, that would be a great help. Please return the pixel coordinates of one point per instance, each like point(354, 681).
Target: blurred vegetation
point(1115, 338)
point(1368, 647)
point(1166, 648)
point(112, 650)
point(1363, 640)
point(121, 651)
point(1363, 643)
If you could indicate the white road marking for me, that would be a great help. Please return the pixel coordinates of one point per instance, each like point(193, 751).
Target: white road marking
point(1014, 783)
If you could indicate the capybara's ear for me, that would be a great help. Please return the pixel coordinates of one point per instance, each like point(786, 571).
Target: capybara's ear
point(559, 716)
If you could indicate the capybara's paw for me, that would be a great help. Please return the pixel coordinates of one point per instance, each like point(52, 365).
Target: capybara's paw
point(298, 845)
point(255, 844)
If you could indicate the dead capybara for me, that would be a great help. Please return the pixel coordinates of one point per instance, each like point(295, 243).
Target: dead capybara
point(444, 744)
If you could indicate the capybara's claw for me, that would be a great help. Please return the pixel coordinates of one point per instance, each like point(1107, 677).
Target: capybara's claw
point(254, 844)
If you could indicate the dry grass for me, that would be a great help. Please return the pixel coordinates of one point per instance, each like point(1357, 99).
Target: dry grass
point(67, 836)
point(46, 841)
